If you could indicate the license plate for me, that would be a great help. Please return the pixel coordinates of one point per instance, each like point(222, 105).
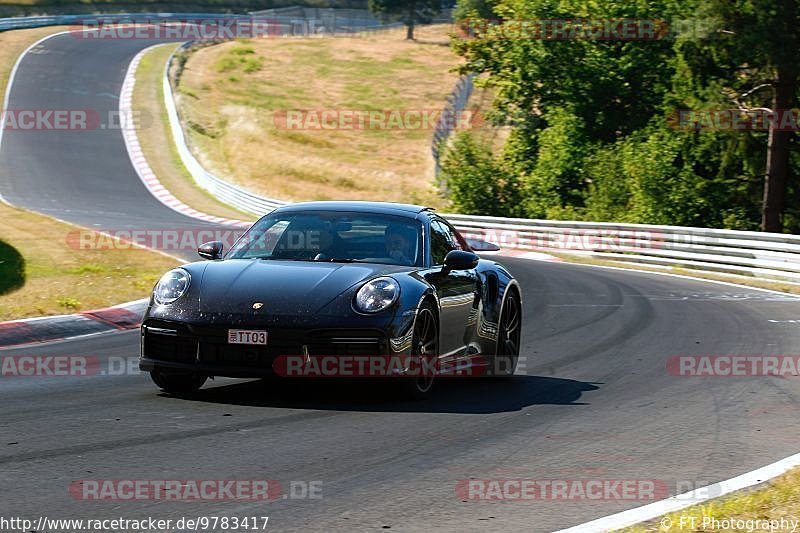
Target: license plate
point(247, 336)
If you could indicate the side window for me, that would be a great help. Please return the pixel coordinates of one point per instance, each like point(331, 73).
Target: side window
point(442, 241)
point(462, 242)
point(456, 240)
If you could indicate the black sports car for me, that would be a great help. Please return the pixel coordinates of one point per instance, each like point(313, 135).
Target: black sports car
point(357, 281)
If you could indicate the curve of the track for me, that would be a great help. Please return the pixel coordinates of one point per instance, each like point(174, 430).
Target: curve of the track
point(81, 176)
point(593, 401)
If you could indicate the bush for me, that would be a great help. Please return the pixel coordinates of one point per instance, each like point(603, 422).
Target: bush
point(478, 183)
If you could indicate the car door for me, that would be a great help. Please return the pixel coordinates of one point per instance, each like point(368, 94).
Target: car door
point(457, 290)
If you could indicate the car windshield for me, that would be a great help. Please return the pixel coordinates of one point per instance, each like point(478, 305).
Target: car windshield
point(333, 236)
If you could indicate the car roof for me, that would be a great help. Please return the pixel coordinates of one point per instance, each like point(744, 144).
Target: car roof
point(388, 208)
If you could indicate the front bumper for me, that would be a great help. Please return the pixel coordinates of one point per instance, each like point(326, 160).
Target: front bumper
point(203, 349)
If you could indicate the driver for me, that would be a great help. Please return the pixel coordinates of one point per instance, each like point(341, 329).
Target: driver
point(399, 243)
point(325, 240)
point(326, 243)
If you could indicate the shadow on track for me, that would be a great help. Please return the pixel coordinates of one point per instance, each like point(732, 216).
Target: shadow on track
point(481, 396)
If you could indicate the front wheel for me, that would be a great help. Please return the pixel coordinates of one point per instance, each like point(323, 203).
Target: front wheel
point(425, 350)
point(172, 383)
point(508, 338)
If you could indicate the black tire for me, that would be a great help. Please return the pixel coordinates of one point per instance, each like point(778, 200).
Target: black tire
point(509, 329)
point(182, 383)
point(425, 346)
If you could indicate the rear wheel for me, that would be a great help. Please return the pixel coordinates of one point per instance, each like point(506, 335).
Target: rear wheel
point(508, 337)
point(183, 383)
point(425, 351)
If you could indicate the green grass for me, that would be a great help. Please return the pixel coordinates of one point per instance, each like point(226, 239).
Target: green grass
point(240, 59)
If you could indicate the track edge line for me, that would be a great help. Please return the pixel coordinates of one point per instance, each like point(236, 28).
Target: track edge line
point(654, 510)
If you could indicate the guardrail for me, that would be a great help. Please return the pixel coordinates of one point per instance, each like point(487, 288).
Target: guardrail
point(749, 253)
point(16, 23)
point(328, 21)
point(456, 104)
point(290, 24)
point(221, 189)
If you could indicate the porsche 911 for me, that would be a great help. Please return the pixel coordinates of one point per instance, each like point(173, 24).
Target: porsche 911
point(335, 280)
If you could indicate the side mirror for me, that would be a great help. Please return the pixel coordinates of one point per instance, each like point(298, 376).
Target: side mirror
point(478, 245)
point(460, 260)
point(210, 250)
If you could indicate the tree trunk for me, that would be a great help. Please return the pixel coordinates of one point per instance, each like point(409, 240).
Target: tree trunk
point(777, 171)
point(412, 15)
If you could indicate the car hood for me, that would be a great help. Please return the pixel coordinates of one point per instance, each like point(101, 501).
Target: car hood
point(282, 287)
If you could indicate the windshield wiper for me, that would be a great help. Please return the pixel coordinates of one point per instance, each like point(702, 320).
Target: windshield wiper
point(342, 260)
point(326, 260)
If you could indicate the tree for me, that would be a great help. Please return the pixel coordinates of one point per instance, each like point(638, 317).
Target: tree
point(468, 9)
point(593, 131)
point(751, 63)
point(410, 12)
point(565, 96)
point(479, 183)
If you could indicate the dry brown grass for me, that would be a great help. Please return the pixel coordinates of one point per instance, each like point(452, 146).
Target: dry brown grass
point(230, 92)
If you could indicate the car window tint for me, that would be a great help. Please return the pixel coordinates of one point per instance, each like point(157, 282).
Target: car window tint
point(453, 238)
point(460, 241)
point(441, 242)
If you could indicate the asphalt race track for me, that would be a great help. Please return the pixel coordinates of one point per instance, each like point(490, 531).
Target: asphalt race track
point(594, 400)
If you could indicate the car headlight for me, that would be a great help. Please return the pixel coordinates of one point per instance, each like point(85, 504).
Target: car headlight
point(377, 295)
point(171, 286)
